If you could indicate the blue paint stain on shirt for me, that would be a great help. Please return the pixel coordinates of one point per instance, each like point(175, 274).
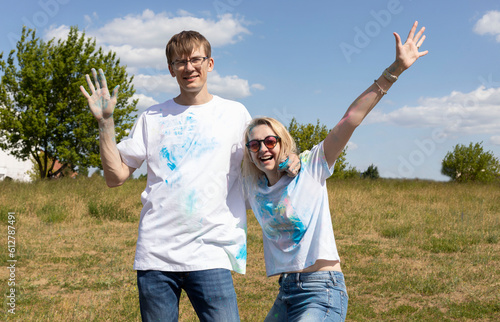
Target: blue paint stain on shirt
point(280, 222)
point(191, 203)
point(242, 254)
point(165, 154)
point(183, 140)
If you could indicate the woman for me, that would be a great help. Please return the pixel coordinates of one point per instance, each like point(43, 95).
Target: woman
point(294, 213)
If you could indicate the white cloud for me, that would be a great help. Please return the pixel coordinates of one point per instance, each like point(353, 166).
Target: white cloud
point(231, 87)
point(90, 19)
point(184, 13)
point(495, 140)
point(139, 41)
point(155, 84)
point(60, 32)
point(151, 30)
point(351, 146)
point(139, 57)
point(467, 113)
point(259, 87)
point(489, 24)
point(144, 102)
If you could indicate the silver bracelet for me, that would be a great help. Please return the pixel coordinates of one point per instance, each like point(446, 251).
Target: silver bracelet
point(380, 88)
point(391, 78)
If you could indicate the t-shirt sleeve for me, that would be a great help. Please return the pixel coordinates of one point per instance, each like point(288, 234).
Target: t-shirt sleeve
point(133, 148)
point(315, 163)
point(242, 119)
point(246, 120)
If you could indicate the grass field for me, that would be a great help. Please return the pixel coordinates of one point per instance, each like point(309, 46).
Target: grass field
point(410, 250)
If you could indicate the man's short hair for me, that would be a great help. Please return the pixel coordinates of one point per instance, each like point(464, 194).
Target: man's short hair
point(183, 44)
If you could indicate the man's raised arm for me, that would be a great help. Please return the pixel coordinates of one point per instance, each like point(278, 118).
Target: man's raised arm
point(102, 105)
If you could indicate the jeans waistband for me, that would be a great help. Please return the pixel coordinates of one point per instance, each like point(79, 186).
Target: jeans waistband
point(302, 277)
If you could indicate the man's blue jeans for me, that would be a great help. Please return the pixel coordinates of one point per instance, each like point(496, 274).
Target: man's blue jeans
point(317, 296)
point(211, 293)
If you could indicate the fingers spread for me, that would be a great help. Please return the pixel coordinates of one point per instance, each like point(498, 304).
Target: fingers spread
point(84, 92)
point(91, 85)
point(96, 80)
point(103, 79)
point(115, 92)
point(419, 34)
point(423, 53)
point(398, 39)
point(421, 41)
point(412, 30)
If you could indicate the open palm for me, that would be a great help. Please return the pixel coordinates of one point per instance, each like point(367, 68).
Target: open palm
point(101, 104)
point(407, 53)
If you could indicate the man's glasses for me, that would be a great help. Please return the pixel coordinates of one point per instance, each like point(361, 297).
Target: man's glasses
point(195, 62)
point(269, 141)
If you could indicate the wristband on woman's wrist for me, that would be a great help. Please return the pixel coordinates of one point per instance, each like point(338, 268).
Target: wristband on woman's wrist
point(380, 88)
point(391, 78)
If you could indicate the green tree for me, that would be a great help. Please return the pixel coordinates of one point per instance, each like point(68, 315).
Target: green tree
point(371, 172)
point(308, 135)
point(471, 163)
point(42, 108)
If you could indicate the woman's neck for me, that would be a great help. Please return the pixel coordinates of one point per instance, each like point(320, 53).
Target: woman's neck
point(273, 177)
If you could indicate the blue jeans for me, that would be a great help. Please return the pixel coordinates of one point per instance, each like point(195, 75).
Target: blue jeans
point(317, 296)
point(211, 293)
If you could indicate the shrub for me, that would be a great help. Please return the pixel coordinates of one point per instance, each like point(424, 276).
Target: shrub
point(471, 163)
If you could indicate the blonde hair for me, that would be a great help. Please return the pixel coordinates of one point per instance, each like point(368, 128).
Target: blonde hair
point(251, 174)
point(183, 44)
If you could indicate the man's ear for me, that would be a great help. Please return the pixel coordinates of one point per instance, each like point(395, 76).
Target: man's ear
point(211, 64)
point(171, 70)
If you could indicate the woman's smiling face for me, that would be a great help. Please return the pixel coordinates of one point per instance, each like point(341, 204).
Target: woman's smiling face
point(266, 159)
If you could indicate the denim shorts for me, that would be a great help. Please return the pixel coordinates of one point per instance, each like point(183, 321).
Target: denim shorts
point(316, 296)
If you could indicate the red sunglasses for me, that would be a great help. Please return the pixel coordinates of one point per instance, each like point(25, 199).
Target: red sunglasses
point(269, 141)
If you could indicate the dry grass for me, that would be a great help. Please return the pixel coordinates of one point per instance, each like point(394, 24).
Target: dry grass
point(411, 251)
point(416, 250)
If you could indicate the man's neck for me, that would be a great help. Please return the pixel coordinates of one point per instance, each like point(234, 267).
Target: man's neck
point(187, 98)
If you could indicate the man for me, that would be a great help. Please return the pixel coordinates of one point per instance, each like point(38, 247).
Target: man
point(193, 223)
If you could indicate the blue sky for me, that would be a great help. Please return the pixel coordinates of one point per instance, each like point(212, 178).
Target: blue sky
point(310, 60)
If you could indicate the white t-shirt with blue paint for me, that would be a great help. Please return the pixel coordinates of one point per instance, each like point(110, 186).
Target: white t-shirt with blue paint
point(193, 215)
point(295, 217)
